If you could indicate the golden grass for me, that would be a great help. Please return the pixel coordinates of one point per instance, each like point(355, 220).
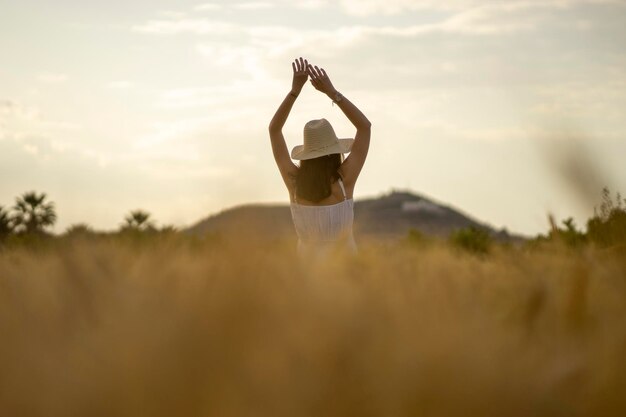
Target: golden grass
point(106, 328)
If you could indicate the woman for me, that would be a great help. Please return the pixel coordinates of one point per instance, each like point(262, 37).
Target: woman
point(322, 186)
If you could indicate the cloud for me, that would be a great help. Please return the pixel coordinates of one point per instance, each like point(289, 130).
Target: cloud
point(311, 4)
point(576, 100)
point(393, 7)
point(492, 19)
point(254, 5)
point(172, 14)
point(59, 146)
point(120, 85)
point(19, 116)
point(235, 59)
point(162, 132)
point(387, 7)
point(222, 103)
point(175, 170)
point(6, 107)
point(31, 149)
point(65, 126)
point(9, 109)
point(207, 7)
point(52, 78)
point(26, 129)
point(195, 25)
point(486, 20)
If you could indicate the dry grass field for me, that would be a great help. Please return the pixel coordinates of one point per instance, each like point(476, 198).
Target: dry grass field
point(105, 327)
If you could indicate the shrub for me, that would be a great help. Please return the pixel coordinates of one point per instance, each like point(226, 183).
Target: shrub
point(5, 224)
point(472, 239)
point(608, 225)
point(570, 236)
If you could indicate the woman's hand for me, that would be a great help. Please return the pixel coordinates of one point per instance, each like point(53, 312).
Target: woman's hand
point(299, 75)
point(320, 81)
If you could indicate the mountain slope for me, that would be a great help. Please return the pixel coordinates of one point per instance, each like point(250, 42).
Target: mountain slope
point(391, 215)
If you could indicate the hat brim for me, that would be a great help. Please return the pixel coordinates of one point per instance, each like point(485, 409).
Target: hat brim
point(341, 146)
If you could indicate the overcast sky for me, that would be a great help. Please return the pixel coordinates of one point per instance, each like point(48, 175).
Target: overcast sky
point(164, 105)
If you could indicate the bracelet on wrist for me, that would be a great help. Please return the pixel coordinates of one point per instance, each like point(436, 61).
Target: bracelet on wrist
point(291, 93)
point(337, 97)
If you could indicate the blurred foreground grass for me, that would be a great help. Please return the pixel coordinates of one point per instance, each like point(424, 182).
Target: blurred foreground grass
point(114, 328)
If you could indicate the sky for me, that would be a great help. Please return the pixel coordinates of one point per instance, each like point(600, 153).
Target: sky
point(506, 110)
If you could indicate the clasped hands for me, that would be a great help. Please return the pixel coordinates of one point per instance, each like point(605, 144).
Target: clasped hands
point(302, 71)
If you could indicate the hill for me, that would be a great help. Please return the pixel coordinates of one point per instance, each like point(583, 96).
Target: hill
point(389, 216)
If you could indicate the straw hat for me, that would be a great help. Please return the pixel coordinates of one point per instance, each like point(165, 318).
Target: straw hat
point(320, 140)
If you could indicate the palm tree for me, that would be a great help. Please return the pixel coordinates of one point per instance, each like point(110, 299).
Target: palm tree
point(32, 214)
point(138, 220)
point(5, 223)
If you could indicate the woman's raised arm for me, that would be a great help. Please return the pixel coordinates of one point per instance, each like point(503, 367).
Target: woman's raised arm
point(281, 154)
point(353, 164)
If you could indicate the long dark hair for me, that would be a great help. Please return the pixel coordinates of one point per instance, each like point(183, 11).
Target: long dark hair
point(316, 175)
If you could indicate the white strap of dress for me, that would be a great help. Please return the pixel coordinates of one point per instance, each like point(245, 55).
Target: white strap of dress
point(343, 190)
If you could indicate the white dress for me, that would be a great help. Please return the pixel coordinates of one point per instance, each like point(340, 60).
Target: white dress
point(322, 229)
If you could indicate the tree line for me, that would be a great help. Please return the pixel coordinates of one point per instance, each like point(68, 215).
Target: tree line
point(33, 215)
point(605, 229)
